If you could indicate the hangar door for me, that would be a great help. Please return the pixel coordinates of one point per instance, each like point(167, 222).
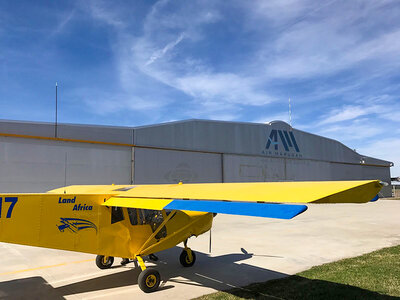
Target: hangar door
point(32, 165)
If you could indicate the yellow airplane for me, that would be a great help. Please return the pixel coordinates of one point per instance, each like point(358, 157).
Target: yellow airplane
point(133, 221)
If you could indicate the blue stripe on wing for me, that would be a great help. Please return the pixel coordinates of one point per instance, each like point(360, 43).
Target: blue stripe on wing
point(267, 210)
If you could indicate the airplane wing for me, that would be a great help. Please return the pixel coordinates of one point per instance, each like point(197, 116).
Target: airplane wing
point(264, 199)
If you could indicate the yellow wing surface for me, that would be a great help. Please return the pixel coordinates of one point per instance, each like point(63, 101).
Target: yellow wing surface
point(271, 192)
point(213, 197)
point(207, 197)
point(252, 199)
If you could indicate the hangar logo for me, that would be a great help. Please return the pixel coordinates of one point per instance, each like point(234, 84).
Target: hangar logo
point(282, 143)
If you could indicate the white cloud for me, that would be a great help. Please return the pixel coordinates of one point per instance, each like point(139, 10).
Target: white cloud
point(222, 87)
point(387, 149)
point(393, 114)
point(180, 71)
point(160, 53)
point(349, 112)
point(66, 19)
point(297, 40)
point(383, 107)
point(353, 132)
point(334, 38)
point(106, 103)
point(104, 12)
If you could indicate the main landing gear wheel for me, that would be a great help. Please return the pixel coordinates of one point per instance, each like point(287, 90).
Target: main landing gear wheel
point(149, 280)
point(104, 262)
point(186, 259)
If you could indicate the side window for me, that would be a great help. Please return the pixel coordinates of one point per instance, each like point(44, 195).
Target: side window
point(133, 216)
point(116, 214)
point(152, 217)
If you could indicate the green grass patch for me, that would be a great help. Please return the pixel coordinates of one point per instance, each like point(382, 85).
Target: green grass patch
point(375, 275)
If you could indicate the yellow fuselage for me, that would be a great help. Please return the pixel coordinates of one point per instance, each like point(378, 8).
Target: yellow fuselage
point(78, 222)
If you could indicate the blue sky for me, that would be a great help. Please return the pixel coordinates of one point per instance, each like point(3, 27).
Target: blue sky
point(131, 63)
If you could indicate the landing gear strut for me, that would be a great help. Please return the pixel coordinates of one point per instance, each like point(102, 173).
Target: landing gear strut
point(149, 279)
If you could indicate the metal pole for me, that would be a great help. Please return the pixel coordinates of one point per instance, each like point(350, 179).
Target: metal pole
point(55, 129)
point(209, 245)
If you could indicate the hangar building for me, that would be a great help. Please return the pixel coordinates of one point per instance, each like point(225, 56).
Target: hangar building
point(36, 157)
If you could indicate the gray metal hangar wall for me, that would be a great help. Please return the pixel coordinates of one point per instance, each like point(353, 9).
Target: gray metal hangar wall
point(34, 158)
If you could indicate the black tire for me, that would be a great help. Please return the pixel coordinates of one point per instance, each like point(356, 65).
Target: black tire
point(184, 259)
point(104, 262)
point(149, 280)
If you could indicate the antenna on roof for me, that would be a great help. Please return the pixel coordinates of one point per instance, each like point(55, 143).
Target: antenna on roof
point(290, 113)
point(55, 127)
point(65, 173)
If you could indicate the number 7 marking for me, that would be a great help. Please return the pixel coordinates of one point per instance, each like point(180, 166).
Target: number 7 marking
point(13, 201)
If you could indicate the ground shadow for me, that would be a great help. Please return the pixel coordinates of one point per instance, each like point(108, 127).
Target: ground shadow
point(28, 288)
point(297, 287)
point(219, 272)
point(223, 272)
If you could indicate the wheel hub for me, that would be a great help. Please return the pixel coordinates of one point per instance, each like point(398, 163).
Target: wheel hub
point(151, 280)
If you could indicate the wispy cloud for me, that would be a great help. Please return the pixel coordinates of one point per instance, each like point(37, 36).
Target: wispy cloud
point(222, 87)
point(387, 149)
point(185, 73)
point(351, 132)
point(160, 53)
point(104, 12)
point(313, 40)
point(349, 112)
point(63, 23)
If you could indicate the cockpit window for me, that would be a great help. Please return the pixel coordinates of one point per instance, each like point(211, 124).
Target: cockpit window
point(116, 214)
point(152, 217)
point(133, 216)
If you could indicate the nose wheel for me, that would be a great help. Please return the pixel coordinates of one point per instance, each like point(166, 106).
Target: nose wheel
point(149, 279)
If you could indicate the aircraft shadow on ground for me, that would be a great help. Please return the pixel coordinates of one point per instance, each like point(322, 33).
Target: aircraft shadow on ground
point(220, 272)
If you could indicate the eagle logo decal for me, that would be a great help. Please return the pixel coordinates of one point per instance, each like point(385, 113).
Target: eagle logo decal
point(75, 225)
